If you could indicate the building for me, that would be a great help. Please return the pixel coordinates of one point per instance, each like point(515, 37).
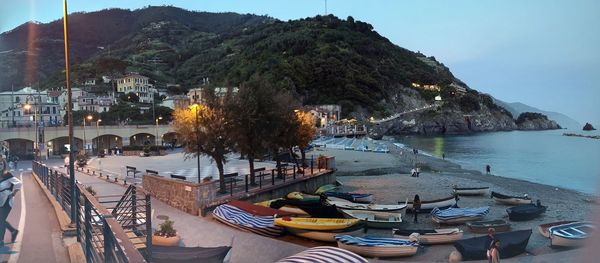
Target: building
point(324, 115)
point(10, 99)
point(176, 102)
point(94, 103)
point(195, 95)
point(459, 89)
point(428, 87)
point(90, 82)
point(22, 115)
point(137, 84)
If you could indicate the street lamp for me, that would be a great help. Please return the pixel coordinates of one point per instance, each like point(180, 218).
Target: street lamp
point(89, 117)
point(196, 107)
point(156, 130)
point(98, 135)
point(28, 107)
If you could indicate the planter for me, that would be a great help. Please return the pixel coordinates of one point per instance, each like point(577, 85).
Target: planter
point(165, 241)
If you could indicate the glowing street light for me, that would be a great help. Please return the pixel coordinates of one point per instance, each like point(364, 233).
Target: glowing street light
point(156, 130)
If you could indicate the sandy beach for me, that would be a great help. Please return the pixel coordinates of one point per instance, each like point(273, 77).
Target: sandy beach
point(387, 176)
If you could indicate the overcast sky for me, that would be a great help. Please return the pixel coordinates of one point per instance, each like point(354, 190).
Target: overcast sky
point(542, 53)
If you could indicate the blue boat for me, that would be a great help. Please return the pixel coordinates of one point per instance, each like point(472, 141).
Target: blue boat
point(238, 218)
point(458, 215)
point(378, 246)
point(570, 235)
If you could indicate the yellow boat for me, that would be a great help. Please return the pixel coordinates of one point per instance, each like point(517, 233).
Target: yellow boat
point(316, 223)
point(287, 208)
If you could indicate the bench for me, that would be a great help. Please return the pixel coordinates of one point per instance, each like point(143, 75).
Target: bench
point(179, 177)
point(132, 170)
point(151, 172)
point(231, 177)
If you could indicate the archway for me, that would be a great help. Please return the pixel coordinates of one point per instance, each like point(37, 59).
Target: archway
point(58, 146)
point(170, 139)
point(21, 148)
point(106, 142)
point(140, 139)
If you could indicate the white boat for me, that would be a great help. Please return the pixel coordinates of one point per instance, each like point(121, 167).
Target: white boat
point(472, 190)
point(427, 206)
point(343, 204)
point(430, 236)
point(570, 235)
point(511, 200)
point(543, 228)
point(378, 247)
point(386, 220)
point(326, 236)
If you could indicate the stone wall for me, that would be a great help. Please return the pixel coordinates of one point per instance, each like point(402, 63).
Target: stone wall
point(176, 193)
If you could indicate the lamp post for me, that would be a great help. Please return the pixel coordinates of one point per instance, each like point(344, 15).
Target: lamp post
point(28, 107)
point(196, 107)
point(98, 135)
point(74, 205)
point(156, 130)
point(89, 117)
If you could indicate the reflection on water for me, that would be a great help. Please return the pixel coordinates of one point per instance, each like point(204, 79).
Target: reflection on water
point(539, 156)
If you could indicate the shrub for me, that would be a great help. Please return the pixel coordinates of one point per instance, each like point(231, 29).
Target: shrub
point(525, 116)
point(166, 229)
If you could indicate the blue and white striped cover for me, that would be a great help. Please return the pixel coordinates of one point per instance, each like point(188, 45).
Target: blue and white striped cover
point(374, 241)
point(235, 217)
point(452, 213)
point(324, 255)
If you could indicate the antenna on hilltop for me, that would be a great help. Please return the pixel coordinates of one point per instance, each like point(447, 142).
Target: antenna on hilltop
point(325, 7)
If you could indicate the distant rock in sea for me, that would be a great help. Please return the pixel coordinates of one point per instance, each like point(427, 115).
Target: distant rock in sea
point(588, 127)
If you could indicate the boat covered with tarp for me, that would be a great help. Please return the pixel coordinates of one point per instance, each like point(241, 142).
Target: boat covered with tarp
point(511, 244)
point(319, 210)
point(458, 215)
point(483, 226)
point(240, 219)
point(324, 254)
point(258, 210)
point(525, 212)
point(377, 247)
point(162, 254)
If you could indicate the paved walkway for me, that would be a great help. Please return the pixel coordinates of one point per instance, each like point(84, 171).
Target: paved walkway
point(40, 238)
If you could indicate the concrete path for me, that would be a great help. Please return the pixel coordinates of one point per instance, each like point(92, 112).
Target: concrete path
point(40, 237)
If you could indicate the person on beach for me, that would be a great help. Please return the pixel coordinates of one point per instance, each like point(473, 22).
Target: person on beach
point(416, 207)
point(488, 169)
point(9, 187)
point(413, 172)
point(490, 240)
point(443, 156)
point(494, 252)
point(418, 171)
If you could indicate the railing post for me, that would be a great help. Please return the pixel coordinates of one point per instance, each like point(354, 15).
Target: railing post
point(246, 183)
point(260, 180)
point(108, 244)
point(272, 176)
point(74, 202)
point(88, 230)
point(149, 232)
point(231, 187)
point(312, 165)
point(294, 175)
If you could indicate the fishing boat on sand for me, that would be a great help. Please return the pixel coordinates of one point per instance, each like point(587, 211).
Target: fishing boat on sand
point(430, 236)
point(385, 220)
point(240, 219)
point(316, 223)
point(343, 204)
point(525, 212)
point(324, 254)
point(483, 226)
point(352, 197)
point(471, 190)
point(318, 210)
point(287, 208)
point(454, 216)
point(511, 200)
point(303, 197)
point(428, 205)
point(326, 188)
point(162, 254)
point(570, 235)
point(378, 247)
point(543, 228)
point(327, 235)
point(511, 244)
point(258, 210)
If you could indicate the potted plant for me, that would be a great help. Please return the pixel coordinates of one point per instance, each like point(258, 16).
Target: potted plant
point(166, 235)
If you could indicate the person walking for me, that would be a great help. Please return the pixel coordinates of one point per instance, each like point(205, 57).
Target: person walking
point(488, 169)
point(491, 236)
point(443, 156)
point(413, 172)
point(9, 187)
point(416, 207)
point(494, 252)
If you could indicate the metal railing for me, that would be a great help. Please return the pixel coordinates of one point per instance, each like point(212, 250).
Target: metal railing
point(102, 237)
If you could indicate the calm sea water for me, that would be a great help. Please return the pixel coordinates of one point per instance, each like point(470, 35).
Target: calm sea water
point(544, 157)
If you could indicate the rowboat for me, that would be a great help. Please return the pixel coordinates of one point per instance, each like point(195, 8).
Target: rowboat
point(525, 212)
point(543, 228)
point(376, 219)
point(511, 200)
point(316, 223)
point(378, 246)
point(324, 254)
point(318, 210)
point(325, 188)
point(258, 210)
point(483, 226)
point(454, 216)
point(570, 235)
point(343, 204)
point(327, 235)
point(162, 254)
point(352, 197)
point(471, 190)
point(286, 208)
point(511, 244)
point(240, 219)
point(304, 198)
point(430, 236)
point(427, 206)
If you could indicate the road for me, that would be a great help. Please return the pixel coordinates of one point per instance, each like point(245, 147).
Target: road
point(40, 237)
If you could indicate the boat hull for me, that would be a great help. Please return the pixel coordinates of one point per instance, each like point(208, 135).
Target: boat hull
point(382, 220)
point(544, 228)
point(570, 235)
point(325, 236)
point(525, 212)
point(320, 224)
point(343, 204)
point(483, 226)
point(511, 244)
point(380, 252)
point(427, 206)
point(444, 236)
point(510, 200)
point(472, 191)
point(457, 221)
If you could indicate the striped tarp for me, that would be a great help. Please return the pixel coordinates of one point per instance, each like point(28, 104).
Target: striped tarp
point(452, 213)
point(235, 217)
point(374, 241)
point(324, 255)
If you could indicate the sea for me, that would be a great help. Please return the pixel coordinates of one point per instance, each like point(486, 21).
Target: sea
point(545, 157)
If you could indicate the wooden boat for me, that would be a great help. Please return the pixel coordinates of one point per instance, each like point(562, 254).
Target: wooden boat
point(286, 208)
point(570, 235)
point(376, 219)
point(511, 200)
point(378, 247)
point(511, 244)
point(161, 254)
point(318, 210)
point(240, 219)
point(471, 190)
point(327, 236)
point(326, 188)
point(324, 254)
point(352, 197)
point(543, 228)
point(454, 216)
point(304, 198)
point(483, 226)
point(427, 206)
point(343, 204)
point(430, 236)
point(525, 212)
point(258, 210)
point(316, 223)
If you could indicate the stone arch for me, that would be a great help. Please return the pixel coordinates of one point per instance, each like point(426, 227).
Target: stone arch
point(22, 148)
point(56, 146)
point(104, 142)
point(170, 137)
point(141, 139)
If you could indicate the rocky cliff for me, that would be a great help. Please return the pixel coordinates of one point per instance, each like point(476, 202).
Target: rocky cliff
point(588, 127)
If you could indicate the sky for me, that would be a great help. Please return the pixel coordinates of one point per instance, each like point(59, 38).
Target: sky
point(542, 53)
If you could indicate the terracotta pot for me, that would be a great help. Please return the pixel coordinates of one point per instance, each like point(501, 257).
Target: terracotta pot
point(165, 241)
